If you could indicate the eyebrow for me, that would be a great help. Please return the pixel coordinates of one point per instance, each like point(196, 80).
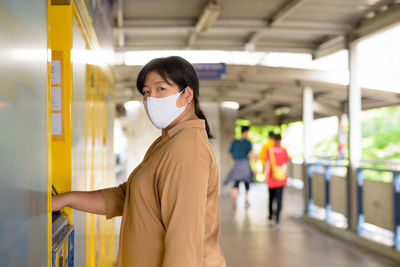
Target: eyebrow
point(155, 83)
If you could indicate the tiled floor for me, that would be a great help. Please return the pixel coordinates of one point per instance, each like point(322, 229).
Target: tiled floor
point(248, 241)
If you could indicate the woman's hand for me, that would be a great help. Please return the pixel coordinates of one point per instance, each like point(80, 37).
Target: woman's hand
point(59, 202)
point(91, 201)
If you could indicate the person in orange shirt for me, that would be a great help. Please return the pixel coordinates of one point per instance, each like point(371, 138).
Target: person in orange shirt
point(263, 154)
point(169, 204)
point(276, 162)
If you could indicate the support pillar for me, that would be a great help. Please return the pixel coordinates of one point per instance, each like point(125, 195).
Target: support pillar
point(228, 118)
point(308, 117)
point(354, 138)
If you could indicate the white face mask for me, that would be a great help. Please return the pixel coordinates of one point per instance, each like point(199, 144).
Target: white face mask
point(163, 111)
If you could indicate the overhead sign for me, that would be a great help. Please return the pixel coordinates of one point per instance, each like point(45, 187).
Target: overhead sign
point(210, 71)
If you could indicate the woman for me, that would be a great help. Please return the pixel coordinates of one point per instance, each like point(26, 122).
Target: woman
point(169, 205)
point(240, 151)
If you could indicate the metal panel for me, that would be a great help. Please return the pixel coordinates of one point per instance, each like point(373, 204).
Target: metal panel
point(318, 189)
point(338, 194)
point(378, 204)
point(23, 134)
point(296, 171)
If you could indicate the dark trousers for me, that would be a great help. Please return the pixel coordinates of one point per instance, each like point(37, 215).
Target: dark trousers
point(246, 184)
point(275, 193)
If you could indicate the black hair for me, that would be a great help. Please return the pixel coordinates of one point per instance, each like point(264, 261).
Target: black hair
point(245, 128)
point(271, 134)
point(182, 73)
point(277, 137)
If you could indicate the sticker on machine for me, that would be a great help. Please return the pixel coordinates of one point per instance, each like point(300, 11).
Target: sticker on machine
point(56, 98)
point(55, 72)
point(56, 125)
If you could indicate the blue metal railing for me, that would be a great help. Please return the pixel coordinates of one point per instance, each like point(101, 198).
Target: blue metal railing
point(396, 202)
point(327, 165)
point(396, 207)
point(327, 181)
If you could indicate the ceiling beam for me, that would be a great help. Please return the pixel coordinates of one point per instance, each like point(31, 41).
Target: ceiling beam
point(226, 30)
point(338, 26)
point(283, 75)
point(379, 22)
point(329, 47)
point(326, 110)
point(268, 100)
point(155, 30)
point(256, 79)
point(256, 120)
point(378, 104)
point(159, 22)
point(242, 24)
point(284, 11)
point(207, 18)
point(390, 97)
point(253, 106)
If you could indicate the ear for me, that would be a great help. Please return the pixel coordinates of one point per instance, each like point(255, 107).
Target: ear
point(188, 95)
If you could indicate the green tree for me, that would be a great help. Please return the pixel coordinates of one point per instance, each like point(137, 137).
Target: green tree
point(381, 133)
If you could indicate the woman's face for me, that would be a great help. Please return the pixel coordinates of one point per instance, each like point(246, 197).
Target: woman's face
point(155, 86)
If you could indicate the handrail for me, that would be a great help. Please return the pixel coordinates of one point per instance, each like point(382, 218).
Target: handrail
point(329, 165)
point(360, 176)
point(379, 169)
point(387, 162)
point(397, 161)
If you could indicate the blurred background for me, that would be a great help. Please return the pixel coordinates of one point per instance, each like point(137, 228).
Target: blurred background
point(323, 74)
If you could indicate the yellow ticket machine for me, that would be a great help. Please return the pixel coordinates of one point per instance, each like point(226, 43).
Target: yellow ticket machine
point(62, 240)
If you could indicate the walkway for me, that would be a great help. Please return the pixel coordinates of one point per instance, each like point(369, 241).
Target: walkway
point(248, 241)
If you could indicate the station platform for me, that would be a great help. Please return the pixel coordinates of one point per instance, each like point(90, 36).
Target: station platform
point(248, 240)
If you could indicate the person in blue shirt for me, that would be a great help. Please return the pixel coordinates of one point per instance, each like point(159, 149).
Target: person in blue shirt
point(241, 172)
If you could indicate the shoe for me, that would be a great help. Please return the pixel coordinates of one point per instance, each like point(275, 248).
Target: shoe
point(277, 225)
point(270, 221)
point(247, 204)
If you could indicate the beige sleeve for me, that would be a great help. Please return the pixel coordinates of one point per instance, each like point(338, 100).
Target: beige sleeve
point(183, 195)
point(114, 199)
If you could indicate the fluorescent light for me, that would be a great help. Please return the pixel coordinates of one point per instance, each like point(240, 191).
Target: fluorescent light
point(209, 15)
point(231, 105)
point(132, 105)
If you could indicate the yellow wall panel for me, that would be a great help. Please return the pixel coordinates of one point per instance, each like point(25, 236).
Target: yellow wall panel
point(98, 157)
point(98, 165)
point(60, 24)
